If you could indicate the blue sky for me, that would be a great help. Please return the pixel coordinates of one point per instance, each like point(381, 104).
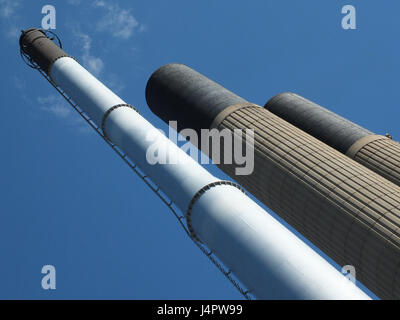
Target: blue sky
point(67, 200)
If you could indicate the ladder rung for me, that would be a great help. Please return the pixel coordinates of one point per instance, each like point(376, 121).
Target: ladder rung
point(150, 183)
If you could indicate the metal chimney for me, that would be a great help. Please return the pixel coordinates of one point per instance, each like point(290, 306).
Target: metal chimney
point(351, 213)
point(376, 152)
point(267, 258)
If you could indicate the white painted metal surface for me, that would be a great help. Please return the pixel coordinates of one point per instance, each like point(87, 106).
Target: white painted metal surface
point(268, 258)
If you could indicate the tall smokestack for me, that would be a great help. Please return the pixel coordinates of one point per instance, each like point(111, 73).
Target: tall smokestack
point(348, 211)
point(376, 152)
point(269, 259)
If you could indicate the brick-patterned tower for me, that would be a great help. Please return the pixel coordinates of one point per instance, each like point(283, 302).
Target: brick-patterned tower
point(347, 210)
point(218, 215)
point(377, 152)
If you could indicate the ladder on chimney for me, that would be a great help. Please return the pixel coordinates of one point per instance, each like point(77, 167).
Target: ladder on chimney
point(174, 209)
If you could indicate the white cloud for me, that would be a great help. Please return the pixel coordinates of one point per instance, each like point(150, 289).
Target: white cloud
point(8, 15)
point(55, 105)
point(19, 82)
point(99, 3)
point(20, 86)
point(13, 32)
point(74, 2)
point(8, 8)
point(117, 21)
point(93, 64)
point(115, 83)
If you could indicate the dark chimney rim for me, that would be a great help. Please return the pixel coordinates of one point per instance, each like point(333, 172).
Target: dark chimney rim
point(277, 97)
point(45, 34)
point(26, 32)
point(158, 70)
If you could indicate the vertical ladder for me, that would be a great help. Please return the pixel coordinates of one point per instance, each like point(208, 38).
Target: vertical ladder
point(156, 189)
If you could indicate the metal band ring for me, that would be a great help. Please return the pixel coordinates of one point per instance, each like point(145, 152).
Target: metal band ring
point(198, 195)
point(107, 113)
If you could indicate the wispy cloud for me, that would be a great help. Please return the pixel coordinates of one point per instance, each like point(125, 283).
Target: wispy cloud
point(8, 17)
point(20, 86)
point(93, 64)
point(19, 82)
point(55, 105)
point(13, 32)
point(115, 83)
point(8, 8)
point(74, 2)
point(117, 21)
